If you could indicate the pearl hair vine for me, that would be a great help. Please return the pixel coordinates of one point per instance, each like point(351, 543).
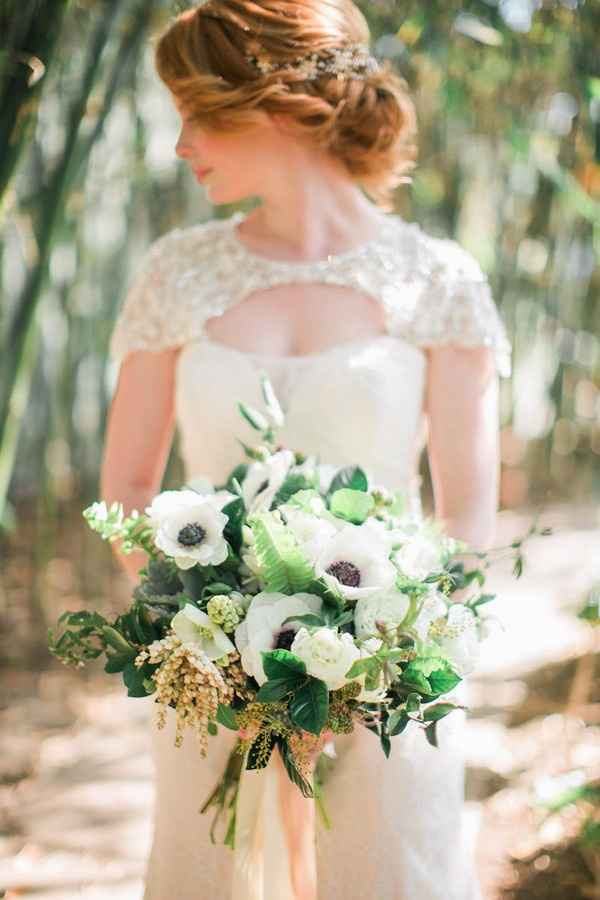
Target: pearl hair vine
point(352, 60)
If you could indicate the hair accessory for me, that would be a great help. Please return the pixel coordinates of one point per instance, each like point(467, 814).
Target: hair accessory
point(352, 60)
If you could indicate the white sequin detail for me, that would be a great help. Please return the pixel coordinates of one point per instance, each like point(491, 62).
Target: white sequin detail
point(434, 292)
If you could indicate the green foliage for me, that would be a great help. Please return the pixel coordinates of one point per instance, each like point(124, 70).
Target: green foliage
point(352, 505)
point(309, 706)
point(290, 766)
point(351, 477)
point(283, 566)
point(292, 484)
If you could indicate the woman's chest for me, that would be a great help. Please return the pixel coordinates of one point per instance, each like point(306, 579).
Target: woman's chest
point(296, 319)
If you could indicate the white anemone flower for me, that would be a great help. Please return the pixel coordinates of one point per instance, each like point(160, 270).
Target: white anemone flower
point(385, 610)
point(355, 563)
point(326, 654)
point(459, 639)
point(419, 556)
point(262, 629)
point(204, 486)
point(192, 626)
point(263, 480)
point(189, 527)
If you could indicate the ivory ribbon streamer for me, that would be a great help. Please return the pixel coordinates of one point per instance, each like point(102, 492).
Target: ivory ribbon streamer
point(274, 856)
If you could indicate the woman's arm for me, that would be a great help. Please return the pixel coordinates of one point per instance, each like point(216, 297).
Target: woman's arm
point(463, 441)
point(139, 434)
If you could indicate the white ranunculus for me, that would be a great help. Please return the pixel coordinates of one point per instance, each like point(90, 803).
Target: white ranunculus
point(189, 527)
point(192, 626)
point(327, 654)
point(355, 563)
point(387, 608)
point(433, 607)
point(459, 639)
point(419, 557)
point(262, 628)
point(377, 695)
point(263, 480)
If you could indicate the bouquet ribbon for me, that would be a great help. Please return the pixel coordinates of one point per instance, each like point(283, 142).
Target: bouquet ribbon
point(274, 856)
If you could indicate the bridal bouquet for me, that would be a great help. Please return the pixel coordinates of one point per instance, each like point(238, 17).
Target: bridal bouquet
point(293, 602)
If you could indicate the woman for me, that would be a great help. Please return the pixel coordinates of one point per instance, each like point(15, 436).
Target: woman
point(378, 338)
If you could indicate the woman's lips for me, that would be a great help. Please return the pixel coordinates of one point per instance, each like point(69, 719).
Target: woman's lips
point(201, 173)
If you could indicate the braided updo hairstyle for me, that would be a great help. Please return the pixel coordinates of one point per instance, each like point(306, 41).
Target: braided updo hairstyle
point(368, 123)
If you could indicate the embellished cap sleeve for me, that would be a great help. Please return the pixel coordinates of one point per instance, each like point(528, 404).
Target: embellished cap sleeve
point(451, 303)
point(148, 319)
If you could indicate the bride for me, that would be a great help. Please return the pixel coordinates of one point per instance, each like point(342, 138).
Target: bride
point(380, 340)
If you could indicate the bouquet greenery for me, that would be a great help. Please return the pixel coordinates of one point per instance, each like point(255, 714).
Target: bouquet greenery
point(295, 601)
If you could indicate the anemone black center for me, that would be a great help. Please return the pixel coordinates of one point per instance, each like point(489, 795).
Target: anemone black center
point(263, 486)
point(285, 639)
point(345, 572)
point(191, 534)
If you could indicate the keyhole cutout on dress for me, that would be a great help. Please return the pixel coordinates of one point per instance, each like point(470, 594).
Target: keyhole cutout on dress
point(297, 319)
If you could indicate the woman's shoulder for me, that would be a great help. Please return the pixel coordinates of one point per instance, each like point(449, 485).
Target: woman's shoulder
point(169, 294)
point(446, 296)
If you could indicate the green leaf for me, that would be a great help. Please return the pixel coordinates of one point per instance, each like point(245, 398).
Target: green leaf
point(226, 716)
point(309, 619)
point(439, 711)
point(253, 417)
point(116, 640)
point(350, 477)
point(283, 566)
point(292, 485)
point(397, 721)
point(352, 505)
point(134, 679)
point(310, 706)
point(443, 679)
point(431, 734)
point(212, 729)
point(235, 512)
point(276, 689)
point(386, 744)
point(256, 749)
point(292, 770)
point(116, 662)
point(282, 664)
point(271, 401)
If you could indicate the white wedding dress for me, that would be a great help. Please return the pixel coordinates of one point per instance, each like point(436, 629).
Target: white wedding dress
point(396, 831)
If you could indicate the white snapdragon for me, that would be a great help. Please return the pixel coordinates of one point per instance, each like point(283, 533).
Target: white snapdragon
point(326, 654)
point(192, 626)
point(262, 629)
point(188, 526)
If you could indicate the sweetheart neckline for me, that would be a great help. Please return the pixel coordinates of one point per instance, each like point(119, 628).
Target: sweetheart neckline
point(305, 357)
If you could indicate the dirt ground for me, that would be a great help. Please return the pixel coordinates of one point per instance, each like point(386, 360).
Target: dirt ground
point(76, 779)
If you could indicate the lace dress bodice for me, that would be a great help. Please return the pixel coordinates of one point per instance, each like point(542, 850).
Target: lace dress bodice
point(356, 401)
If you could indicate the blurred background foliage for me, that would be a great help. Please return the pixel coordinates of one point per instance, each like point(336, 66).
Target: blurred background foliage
point(508, 100)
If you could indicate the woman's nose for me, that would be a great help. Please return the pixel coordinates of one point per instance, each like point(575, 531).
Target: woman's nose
point(181, 149)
